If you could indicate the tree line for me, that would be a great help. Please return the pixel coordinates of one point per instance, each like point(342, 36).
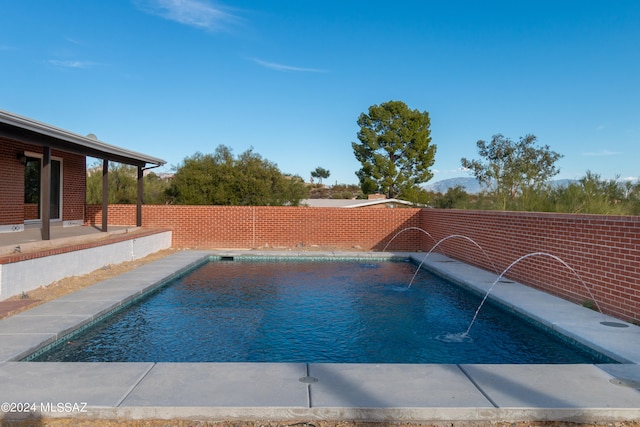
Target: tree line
point(590, 194)
point(517, 175)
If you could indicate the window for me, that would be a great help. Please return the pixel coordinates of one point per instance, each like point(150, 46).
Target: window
point(32, 184)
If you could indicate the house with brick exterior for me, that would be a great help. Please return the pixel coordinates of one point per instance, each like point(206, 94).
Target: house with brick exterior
point(43, 174)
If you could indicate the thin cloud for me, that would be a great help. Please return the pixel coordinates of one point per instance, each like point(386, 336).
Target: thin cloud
point(283, 67)
point(75, 41)
point(194, 13)
point(601, 153)
point(72, 64)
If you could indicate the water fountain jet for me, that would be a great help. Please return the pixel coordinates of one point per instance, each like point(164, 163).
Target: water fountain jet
point(605, 323)
point(445, 239)
point(402, 231)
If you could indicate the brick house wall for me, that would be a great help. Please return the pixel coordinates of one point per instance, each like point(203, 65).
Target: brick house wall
point(12, 207)
point(603, 252)
point(11, 184)
point(74, 183)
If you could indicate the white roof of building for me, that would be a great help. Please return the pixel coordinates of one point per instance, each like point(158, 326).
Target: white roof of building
point(350, 203)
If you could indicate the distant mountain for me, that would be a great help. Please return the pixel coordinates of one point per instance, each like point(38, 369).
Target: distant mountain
point(469, 184)
point(472, 186)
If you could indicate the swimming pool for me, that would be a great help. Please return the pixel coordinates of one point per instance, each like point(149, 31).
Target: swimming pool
point(258, 310)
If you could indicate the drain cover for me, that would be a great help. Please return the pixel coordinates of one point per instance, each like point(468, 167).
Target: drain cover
point(615, 324)
point(625, 382)
point(308, 380)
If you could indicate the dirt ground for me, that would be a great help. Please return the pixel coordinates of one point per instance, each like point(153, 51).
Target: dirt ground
point(74, 283)
point(53, 422)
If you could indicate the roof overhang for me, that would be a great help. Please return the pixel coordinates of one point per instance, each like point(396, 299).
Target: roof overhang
point(30, 131)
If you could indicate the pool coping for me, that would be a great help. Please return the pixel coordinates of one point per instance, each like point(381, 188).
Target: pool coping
point(424, 393)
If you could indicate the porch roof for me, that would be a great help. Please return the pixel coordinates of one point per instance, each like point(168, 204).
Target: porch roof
point(31, 131)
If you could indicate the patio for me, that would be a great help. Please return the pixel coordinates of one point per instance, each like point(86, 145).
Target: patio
point(30, 239)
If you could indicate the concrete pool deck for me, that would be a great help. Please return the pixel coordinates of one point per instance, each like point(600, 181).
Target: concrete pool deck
point(417, 393)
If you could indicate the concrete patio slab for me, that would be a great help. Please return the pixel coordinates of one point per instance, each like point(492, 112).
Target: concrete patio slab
point(18, 345)
point(96, 384)
point(393, 386)
point(58, 324)
point(142, 277)
point(82, 307)
point(551, 386)
point(221, 385)
point(619, 343)
point(630, 372)
point(97, 293)
point(31, 238)
point(129, 283)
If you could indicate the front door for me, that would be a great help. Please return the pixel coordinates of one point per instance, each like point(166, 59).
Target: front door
point(32, 183)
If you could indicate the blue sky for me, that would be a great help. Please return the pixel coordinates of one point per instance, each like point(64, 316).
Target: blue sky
point(290, 77)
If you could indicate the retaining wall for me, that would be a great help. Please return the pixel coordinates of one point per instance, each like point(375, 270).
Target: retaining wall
point(23, 272)
point(603, 252)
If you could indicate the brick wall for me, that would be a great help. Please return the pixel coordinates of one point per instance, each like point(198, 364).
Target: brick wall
point(74, 182)
point(273, 227)
point(12, 209)
point(602, 251)
point(11, 183)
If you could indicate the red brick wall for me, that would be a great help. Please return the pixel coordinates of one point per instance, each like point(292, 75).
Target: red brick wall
point(74, 182)
point(264, 226)
point(12, 209)
point(604, 251)
point(11, 183)
point(31, 211)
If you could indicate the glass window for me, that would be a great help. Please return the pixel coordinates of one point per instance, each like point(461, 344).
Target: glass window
point(32, 184)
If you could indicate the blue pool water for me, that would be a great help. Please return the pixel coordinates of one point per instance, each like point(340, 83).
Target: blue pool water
point(314, 311)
